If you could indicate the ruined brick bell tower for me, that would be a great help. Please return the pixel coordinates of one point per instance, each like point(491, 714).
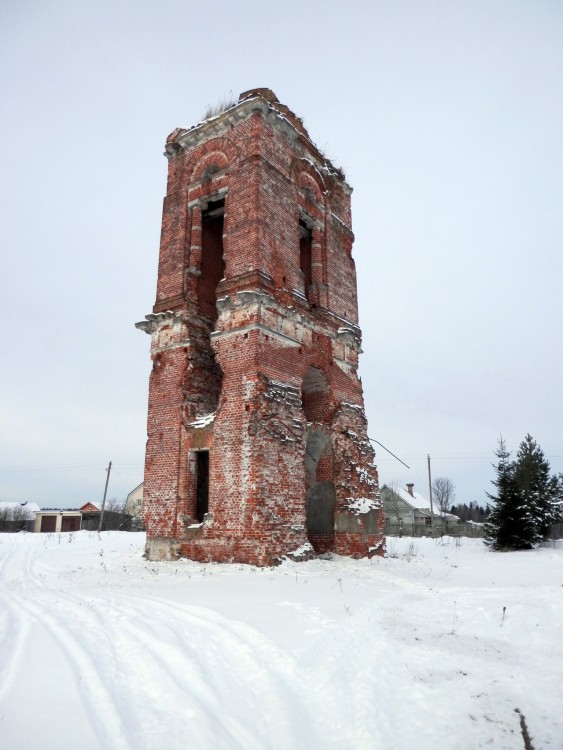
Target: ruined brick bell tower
point(257, 437)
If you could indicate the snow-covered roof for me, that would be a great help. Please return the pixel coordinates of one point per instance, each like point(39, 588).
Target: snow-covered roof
point(30, 508)
point(418, 501)
point(415, 500)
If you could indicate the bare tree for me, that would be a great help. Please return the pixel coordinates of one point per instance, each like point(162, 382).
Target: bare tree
point(115, 505)
point(115, 518)
point(12, 518)
point(443, 494)
point(5, 519)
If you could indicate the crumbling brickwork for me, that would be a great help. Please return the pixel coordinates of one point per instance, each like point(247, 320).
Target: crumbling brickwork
point(257, 439)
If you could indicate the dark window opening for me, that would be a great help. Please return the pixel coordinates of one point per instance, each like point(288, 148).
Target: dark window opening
point(212, 262)
point(321, 502)
point(306, 255)
point(202, 486)
point(204, 377)
point(321, 492)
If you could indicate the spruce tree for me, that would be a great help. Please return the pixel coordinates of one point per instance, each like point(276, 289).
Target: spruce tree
point(511, 524)
point(539, 491)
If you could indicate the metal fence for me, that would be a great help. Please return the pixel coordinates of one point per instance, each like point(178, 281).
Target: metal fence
point(444, 529)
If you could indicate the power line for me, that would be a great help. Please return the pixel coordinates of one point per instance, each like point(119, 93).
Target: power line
point(388, 451)
point(64, 467)
point(127, 484)
point(457, 457)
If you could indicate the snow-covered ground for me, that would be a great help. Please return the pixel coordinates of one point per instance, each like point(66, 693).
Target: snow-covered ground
point(102, 649)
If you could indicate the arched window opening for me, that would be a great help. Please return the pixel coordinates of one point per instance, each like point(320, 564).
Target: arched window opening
point(212, 261)
point(306, 256)
point(204, 378)
point(208, 172)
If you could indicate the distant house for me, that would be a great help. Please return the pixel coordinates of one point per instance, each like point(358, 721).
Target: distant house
point(134, 506)
point(18, 516)
point(114, 519)
point(90, 516)
point(57, 521)
point(408, 512)
point(89, 507)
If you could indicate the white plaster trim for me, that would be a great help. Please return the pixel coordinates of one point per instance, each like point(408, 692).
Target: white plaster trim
point(256, 327)
point(170, 347)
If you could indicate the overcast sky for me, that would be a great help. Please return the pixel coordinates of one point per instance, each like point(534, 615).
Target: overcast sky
point(447, 118)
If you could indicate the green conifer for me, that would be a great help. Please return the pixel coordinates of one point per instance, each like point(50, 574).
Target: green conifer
point(538, 490)
point(511, 524)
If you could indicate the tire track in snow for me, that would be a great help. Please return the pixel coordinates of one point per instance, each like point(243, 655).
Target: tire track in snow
point(206, 652)
point(15, 629)
point(195, 659)
point(15, 635)
point(88, 677)
point(109, 729)
point(239, 647)
point(72, 614)
point(199, 664)
point(212, 651)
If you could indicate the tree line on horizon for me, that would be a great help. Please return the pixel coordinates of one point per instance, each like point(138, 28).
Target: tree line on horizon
point(472, 512)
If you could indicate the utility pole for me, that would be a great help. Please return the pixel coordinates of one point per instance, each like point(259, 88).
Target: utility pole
point(104, 500)
point(430, 494)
